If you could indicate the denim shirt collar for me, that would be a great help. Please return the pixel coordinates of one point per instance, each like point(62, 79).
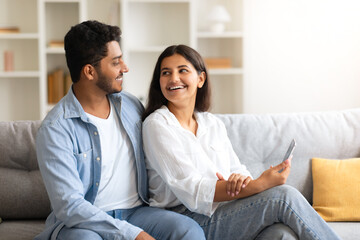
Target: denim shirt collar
point(73, 108)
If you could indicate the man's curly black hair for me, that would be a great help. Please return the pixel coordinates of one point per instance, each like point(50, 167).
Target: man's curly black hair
point(85, 43)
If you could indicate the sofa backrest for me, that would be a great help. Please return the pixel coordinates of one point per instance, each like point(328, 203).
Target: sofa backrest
point(22, 191)
point(261, 140)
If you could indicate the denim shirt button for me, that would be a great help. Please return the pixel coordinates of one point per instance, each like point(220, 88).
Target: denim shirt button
point(97, 184)
point(98, 158)
point(95, 133)
point(84, 155)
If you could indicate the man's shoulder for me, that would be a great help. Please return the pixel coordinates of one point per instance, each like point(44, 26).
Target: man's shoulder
point(130, 105)
point(57, 117)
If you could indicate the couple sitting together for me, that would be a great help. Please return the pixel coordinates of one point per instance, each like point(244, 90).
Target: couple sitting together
point(113, 170)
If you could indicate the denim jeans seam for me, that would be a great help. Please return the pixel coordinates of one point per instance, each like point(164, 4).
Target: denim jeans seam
point(301, 221)
point(212, 221)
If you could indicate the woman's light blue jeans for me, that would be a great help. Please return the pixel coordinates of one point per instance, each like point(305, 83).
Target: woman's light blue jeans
point(257, 216)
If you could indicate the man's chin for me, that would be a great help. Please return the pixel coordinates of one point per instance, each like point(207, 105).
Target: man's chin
point(115, 91)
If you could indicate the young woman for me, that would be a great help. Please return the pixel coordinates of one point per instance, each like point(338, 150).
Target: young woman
point(193, 169)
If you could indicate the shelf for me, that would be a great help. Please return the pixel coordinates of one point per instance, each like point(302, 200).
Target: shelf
point(19, 36)
point(159, 1)
point(226, 71)
point(150, 49)
point(229, 34)
point(53, 50)
point(20, 74)
point(62, 1)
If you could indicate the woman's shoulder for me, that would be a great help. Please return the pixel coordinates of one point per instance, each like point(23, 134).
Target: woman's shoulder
point(209, 119)
point(159, 115)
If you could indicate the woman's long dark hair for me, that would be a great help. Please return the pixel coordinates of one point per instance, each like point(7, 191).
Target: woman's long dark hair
point(156, 99)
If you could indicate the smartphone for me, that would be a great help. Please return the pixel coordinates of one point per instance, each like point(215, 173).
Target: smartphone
point(290, 151)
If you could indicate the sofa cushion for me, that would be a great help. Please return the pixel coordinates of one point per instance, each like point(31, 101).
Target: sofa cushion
point(17, 145)
point(21, 230)
point(22, 195)
point(22, 191)
point(336, 185)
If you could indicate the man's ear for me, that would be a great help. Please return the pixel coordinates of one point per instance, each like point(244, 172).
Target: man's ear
point(202, 78)
point(89, 72)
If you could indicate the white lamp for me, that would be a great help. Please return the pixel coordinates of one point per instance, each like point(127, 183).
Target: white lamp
point(218, 17)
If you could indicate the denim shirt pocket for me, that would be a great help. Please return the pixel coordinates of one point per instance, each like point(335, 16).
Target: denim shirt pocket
point(85, 167)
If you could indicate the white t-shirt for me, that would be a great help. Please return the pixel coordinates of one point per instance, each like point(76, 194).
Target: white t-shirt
point(118, 188)
point(182, 167)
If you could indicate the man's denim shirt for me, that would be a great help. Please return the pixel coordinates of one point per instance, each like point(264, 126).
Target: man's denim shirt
point(69, 156)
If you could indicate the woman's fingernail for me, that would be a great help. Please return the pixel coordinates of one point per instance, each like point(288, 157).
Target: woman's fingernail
point(232, 194)
point(228, 193)
point(237, 192)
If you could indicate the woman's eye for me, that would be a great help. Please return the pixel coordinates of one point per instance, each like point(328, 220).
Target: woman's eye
point(183, 70)
point(164, 73)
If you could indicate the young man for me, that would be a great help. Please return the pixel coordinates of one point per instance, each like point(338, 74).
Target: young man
point(89, 150)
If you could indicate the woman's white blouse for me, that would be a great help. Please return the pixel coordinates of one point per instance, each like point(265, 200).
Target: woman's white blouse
point(182, 167)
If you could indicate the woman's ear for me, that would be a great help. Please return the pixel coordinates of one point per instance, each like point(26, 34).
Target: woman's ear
point(89, 72)
point(202, 78)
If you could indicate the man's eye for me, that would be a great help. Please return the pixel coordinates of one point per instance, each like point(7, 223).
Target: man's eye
point(116, 63)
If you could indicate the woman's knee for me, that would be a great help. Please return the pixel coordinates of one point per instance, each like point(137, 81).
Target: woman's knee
point(285, 190)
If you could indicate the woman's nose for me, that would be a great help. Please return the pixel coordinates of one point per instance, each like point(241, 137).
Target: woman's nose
point(175, 77)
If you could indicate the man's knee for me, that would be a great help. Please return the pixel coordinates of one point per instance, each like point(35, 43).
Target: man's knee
point(182, 227)
point(77, 233)
point(189, 229)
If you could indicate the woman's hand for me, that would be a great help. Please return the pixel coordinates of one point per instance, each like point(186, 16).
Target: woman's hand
point(272, 177)
point(235, 183)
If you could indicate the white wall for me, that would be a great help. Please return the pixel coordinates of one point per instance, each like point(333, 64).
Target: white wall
point(301, 55)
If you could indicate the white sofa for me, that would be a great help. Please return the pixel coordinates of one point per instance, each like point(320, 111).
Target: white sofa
point(259, 141)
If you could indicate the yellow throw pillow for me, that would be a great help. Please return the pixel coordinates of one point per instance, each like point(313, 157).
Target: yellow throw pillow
point(336, 189)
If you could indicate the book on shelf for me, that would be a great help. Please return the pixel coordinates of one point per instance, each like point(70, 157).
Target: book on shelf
point(56, 44)
point(58, 85)
point(9, 29)
point(213, 63)
point(55, 86)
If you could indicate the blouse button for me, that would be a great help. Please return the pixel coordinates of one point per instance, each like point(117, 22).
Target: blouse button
point(95, 133)
point(84, 155)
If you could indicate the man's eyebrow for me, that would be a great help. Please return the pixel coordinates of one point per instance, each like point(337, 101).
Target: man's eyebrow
point(117, 57)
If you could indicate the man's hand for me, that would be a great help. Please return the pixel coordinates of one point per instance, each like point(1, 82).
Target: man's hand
point(235, 183)
point(144, 236)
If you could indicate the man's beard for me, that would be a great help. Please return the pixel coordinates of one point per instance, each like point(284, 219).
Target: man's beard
point(105, 83)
